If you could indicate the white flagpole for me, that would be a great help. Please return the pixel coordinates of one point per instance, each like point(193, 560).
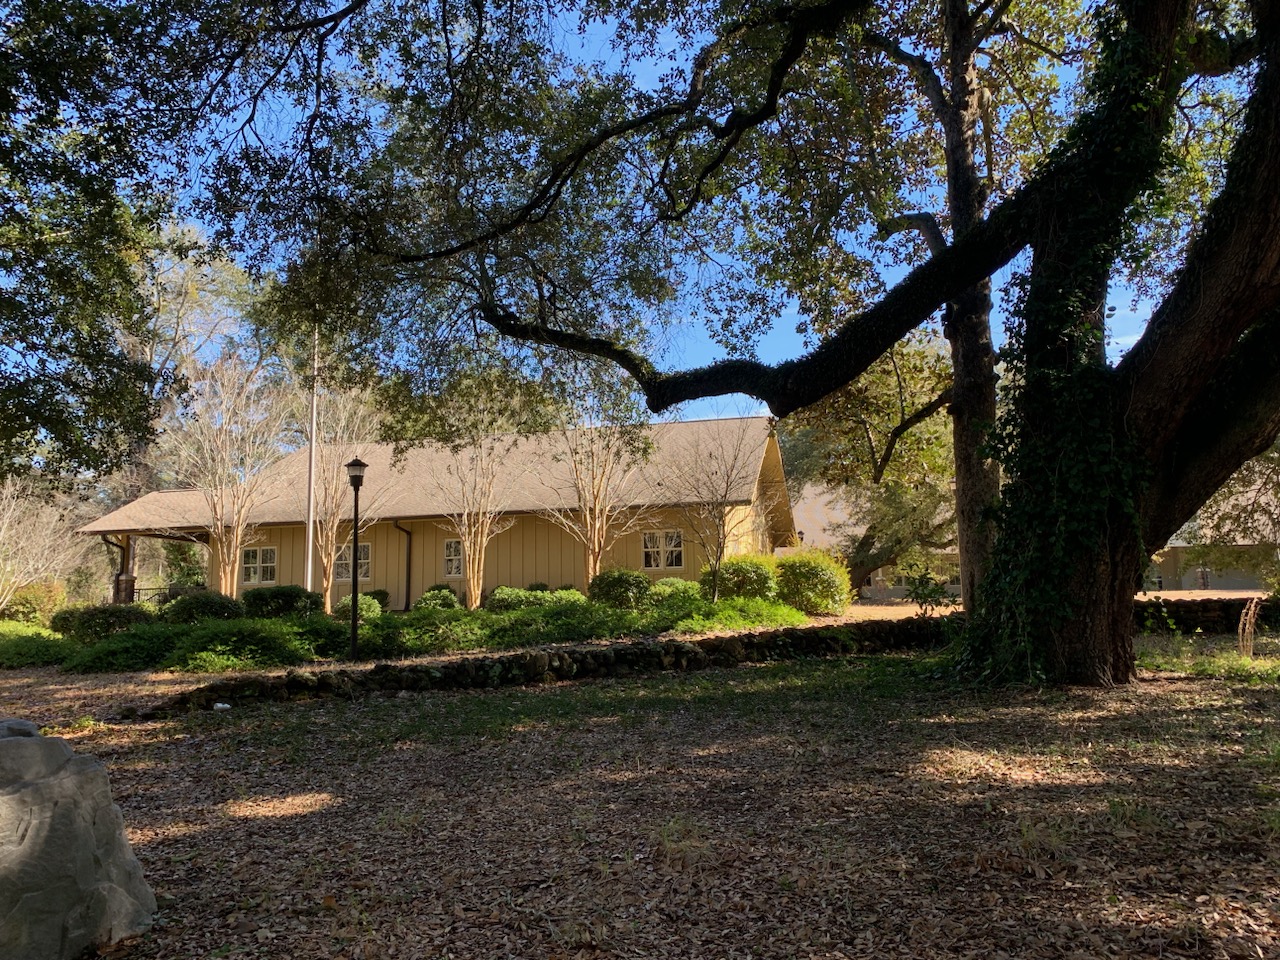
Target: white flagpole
point(311, 458)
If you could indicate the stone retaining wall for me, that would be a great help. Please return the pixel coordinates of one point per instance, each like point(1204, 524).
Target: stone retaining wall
point(1208, 616)
point(546, 664)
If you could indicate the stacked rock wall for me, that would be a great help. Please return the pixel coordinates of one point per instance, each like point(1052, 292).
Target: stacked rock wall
point(1158, 615)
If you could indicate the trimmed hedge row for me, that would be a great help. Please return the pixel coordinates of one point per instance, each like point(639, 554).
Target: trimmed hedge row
point(544, 665)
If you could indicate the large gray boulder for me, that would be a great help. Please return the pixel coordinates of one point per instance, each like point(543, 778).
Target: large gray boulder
point(68, 879)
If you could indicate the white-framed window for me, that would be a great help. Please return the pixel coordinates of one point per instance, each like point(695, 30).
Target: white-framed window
point(342, 566)
point(258, 565)
point(452, 558)
point(663, 549)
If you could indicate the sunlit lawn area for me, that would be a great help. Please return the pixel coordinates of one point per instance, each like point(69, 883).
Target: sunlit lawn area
point(862, 807)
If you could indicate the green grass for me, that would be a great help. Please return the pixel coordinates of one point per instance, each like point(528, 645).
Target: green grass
point(812, 691)
point(1208, 655)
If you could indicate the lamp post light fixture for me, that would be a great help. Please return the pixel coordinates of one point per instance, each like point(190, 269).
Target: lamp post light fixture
point(355, 474)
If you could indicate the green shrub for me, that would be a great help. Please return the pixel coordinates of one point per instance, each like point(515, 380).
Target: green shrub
point(92, 624)
point(288, 600)
point(30, 645)
point(538, 587)
point(239, 645)
point(673, 599)
point(143, 646)
point(813, 581)
point(36, 603)
point(439, 597)
point(624, 589)
point(503, 599)
point(369, 608)
point(382, 596)
point(202, 606)
point(325, 635)
point(928, 592)
point(753, 575)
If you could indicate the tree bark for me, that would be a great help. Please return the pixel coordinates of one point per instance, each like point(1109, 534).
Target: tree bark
point(1095, 646)
point(973, 412)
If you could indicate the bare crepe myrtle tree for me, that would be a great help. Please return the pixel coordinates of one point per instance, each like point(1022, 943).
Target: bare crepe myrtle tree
point(346, 423)
point(38, 542)
point(477, 481)
point(234, 425)
point(604, 439)
point(707, 483)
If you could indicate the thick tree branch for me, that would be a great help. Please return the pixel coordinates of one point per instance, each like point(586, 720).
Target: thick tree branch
point(1230, 279)
point(1238, 419)
point(923, 222)
point(995, 23)
point(1213, 54)
point(804, 22)
point(327, 20)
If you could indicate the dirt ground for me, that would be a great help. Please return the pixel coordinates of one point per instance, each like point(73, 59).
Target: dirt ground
point(851, 808)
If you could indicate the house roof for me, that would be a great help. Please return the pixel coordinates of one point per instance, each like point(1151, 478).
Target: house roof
point(532, 476)
point(821, 516)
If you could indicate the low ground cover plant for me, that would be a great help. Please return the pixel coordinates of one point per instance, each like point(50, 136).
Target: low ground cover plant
point(30, 645)
point(200, 632)
point(213, 645)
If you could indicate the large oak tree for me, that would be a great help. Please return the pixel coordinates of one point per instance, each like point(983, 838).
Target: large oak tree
point(437, 172)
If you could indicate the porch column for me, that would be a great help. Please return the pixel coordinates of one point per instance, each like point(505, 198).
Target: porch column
point(122, 590)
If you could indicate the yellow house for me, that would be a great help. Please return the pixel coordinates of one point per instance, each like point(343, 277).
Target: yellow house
point(706, 484)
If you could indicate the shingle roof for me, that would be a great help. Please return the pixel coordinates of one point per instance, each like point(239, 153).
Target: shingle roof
point(532, 474)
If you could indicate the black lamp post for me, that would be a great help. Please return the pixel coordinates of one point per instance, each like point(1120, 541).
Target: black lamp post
point(355, 473)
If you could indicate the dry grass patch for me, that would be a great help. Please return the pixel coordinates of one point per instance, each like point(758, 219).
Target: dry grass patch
point(833, 810)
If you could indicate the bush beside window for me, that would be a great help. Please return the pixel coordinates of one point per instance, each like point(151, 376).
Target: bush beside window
point(283, 601)
point(512, 598)
point(439, 597)
point(369, 608)
point(624, 589)
point(752, 575)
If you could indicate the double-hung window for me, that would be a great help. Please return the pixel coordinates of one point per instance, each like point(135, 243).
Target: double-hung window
point(342, 567)
point(258, 565)
point(452, 558)
point(663, 549)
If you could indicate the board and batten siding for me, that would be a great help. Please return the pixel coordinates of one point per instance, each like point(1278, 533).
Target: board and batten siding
point(532, 550)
